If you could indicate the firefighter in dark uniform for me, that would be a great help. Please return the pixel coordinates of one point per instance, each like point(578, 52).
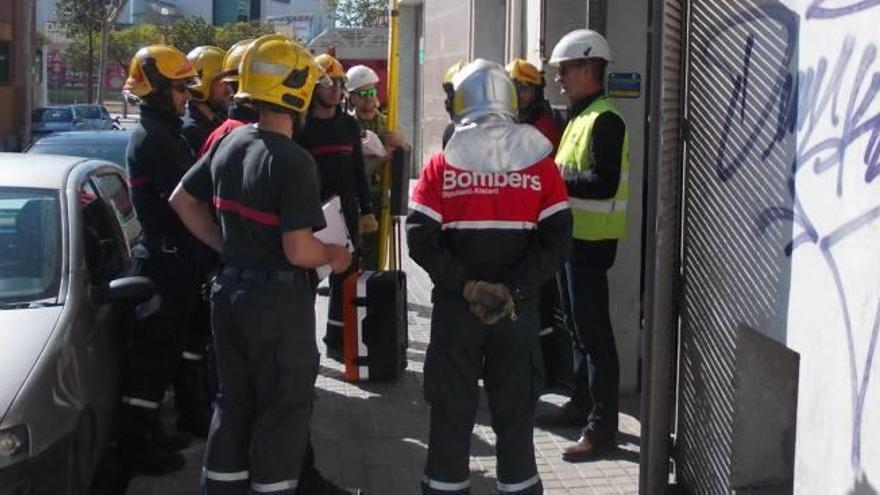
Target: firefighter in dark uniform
point(211, 98)
point(333, 138)
point(266, 193)
point(490, 223)
point(205, 111)
point(240, 112)
point(533, 107)
point(594, 158)
point(157, 157)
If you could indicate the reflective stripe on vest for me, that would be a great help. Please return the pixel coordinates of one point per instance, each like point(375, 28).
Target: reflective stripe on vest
point(594, 219)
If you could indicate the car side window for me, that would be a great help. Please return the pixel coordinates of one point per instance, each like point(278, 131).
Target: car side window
point(114, 190)
point(105, 255)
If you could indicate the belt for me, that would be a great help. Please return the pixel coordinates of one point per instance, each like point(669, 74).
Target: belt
point(258, 274)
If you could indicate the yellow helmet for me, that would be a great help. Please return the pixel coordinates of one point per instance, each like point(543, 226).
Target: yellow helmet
point(524, 72)
point(331, 67)
point(279, 71)
point(208, 63)
point(452, 70)
point(233, 59)
point(153, 65)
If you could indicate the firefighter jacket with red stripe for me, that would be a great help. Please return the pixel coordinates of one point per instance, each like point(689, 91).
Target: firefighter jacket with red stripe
point(156, 158)
point(335, 144)
point(512, 227)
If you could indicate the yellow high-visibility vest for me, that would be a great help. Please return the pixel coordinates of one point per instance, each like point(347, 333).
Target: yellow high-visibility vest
point(594, 219)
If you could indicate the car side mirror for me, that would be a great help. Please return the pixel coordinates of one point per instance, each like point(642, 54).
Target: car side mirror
point(131, 289)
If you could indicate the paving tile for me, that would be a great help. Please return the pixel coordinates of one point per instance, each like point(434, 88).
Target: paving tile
point(375, 435)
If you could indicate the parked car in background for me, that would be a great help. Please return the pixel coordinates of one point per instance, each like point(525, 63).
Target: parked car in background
point(66, 228)
point(104, 145)
point(45, 120)
point(94, 117)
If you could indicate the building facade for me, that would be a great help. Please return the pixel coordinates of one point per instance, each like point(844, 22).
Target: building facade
point(17, 73)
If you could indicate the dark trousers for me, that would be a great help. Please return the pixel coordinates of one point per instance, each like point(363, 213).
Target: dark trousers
point(264, 335)
point(598, 376)
point(508, 359)
point(194, 387)
point(155, 344)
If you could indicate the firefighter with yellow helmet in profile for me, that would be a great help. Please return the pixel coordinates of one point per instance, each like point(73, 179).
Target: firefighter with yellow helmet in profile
point(265, 188)
point(157, 157)
point(211, 97)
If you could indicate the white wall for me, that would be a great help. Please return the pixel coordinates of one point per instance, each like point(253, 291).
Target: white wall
point(627, 33)
point(835, 281)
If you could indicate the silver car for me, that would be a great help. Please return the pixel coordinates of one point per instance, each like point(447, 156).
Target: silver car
point(66, 227)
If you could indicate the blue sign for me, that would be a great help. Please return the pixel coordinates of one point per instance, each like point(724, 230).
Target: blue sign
point(624, 85)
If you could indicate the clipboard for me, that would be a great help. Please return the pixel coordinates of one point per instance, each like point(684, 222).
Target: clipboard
point(336, 231)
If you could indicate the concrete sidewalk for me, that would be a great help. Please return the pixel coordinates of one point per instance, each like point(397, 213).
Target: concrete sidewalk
point(375, 435)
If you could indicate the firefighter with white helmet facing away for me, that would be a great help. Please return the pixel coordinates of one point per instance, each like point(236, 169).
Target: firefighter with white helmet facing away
point(594, 158)
point(490, 223)
point(265, 189)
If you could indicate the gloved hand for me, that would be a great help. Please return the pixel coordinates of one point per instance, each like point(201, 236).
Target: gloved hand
point(368, 224)
point(489, 302)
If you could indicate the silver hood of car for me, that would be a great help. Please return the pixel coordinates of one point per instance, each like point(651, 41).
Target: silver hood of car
point(23, 334)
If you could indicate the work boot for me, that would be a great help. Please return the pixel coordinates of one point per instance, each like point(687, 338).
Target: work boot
point(595, 441)
point(567, 416)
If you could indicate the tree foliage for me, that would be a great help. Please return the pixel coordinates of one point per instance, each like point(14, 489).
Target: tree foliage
point(82, 20)
point(230, 34)
point(188, 33)
point(358, 13)
point(124, 43)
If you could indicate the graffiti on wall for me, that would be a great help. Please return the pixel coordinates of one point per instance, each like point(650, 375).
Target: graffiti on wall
point(830, 109)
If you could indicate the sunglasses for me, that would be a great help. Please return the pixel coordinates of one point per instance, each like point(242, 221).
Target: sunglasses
point(180, 87)
point(366, 92)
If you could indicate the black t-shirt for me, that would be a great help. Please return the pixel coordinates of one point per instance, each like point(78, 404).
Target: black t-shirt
point(263, 184)
point(335, 143)
point(156, 158)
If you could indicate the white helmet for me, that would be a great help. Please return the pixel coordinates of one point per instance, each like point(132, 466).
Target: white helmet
point(360, 76)
point(482, 88)
point(580, 44)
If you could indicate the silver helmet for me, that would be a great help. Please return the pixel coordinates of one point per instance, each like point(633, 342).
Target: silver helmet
point(482, 88)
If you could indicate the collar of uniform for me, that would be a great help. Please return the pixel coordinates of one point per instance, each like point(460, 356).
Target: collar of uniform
point(579, 106)
point(164, 115)
point(496, 145)
point(243, 113)
point(194, 113)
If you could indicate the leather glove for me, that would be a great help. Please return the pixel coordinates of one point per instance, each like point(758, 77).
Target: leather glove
point(489, 302)
point(368, 224)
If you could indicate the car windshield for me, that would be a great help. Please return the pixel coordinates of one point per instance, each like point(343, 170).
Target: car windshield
point(88, 112)
point(57, 115)
point(30, 244)
point(111, 151)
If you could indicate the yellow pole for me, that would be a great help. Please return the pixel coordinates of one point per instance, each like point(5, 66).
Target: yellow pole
point(387, 239)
